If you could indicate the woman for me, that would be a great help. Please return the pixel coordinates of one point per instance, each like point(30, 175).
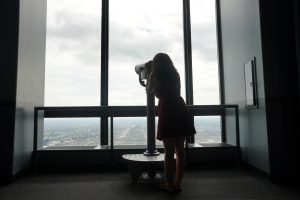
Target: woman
point(175, 121)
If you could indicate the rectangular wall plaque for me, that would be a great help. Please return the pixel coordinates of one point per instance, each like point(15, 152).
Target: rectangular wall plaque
point(250, 84)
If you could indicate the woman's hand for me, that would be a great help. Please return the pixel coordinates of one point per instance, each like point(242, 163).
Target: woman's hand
point(150, 83)
point(149, 67)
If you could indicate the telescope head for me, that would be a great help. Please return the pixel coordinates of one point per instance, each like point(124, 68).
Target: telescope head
point(143, 70)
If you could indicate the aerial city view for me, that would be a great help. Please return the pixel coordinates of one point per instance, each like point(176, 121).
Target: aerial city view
point(127, 131)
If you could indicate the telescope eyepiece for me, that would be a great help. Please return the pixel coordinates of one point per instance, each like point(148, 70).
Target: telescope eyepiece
point(141, 71)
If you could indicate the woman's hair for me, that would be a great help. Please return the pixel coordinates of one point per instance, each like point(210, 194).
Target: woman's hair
point(165, 72)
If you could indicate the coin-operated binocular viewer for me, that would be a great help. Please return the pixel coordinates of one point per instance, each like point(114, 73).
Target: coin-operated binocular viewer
point(143, 70)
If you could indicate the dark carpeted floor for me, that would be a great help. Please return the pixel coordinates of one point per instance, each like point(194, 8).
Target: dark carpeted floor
point(197, 184)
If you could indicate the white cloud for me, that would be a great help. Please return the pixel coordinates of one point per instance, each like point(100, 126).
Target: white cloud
point(138, 30)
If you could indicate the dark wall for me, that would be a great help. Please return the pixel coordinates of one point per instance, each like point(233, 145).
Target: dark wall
point(279, 42)
point(21, 81)
point(241, 42)
point(30, 79)
point(8, 76)
point(269, 31)
point(297, 39)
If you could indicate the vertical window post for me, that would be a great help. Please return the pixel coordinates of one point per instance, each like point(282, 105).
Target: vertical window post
point(188, 56)
point(221, 73)
point(187, 52)
point(104, 70)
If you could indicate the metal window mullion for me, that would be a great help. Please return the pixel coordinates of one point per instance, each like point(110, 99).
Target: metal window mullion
point(35, 131)
point(187, 52)
point(221, 69)
point(188, 57)
point(237, 125)
point(104, 70)
point(111, 133)
point(111, 139)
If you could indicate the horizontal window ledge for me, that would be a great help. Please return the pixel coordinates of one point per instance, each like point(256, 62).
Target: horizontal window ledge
point(120, 147)
point(125, 111)
point(209, 145)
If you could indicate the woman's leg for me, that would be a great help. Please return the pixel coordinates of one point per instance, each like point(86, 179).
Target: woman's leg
point(179, 148)
point(169, 145)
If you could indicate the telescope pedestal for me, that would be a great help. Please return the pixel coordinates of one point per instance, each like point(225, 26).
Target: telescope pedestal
point(144, 167)
point(151, 161)
point(149, 153)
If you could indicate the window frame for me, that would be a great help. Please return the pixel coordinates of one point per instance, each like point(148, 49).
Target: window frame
point(187, 60)
point(104, 68)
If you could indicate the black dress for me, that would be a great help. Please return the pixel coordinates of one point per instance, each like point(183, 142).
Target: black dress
point(174, 118)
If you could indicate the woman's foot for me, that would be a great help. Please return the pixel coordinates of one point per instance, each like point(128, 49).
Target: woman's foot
point(166, 187)
point(177, 187)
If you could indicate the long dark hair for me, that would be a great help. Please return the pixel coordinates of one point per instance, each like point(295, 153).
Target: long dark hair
point(165, 72)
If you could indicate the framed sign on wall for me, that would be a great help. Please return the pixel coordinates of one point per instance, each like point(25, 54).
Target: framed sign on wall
point(250, 84)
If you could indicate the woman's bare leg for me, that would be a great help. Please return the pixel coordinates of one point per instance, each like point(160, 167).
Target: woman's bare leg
point(179, 148)
point(169, 145)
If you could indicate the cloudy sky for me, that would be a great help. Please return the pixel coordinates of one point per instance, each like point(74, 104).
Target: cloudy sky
point(138, 29)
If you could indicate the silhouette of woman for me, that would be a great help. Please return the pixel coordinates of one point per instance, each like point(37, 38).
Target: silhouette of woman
point(174, 119)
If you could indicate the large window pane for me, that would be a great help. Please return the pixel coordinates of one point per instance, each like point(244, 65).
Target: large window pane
point(138, 30)
point(64, 133)
point(131, 131)
point(208, 129)
point(204, 52)
point(73, 53)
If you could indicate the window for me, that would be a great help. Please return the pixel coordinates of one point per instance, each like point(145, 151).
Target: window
point(71, 132)
point(204, 52)
point(73, 53)
point(208, 129)
point(139, 29)
point(72, 75)
point(131, 131)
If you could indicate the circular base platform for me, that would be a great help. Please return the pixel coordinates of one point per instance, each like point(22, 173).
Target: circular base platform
point(144, 158)
point(139, 164)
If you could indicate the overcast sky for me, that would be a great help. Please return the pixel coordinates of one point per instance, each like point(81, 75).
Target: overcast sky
point(138, 29)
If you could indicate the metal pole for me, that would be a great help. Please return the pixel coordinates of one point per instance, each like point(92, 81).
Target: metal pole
point(151, 150)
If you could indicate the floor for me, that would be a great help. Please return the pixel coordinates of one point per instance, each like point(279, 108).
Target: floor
point(197, 184)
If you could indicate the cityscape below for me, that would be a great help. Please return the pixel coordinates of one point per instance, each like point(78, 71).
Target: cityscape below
point(60, 132)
